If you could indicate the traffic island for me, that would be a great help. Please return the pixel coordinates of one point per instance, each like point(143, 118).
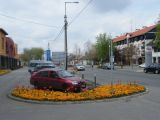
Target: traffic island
point(3, 72)
point(100, 93)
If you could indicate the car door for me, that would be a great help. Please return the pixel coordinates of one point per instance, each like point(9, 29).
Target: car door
point(42, 79)
point(54, 80)
point(153, 67)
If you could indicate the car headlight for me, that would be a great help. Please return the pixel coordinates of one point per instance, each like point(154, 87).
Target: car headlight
point(74, 83)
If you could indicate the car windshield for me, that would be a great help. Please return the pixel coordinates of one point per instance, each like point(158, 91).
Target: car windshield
point(78, 65)
point(33, 64)
point(46, 66)
point(64, 73)
point(157, 65)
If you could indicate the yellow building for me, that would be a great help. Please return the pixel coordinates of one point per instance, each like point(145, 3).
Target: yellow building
point(8, 52)
point(3, 34)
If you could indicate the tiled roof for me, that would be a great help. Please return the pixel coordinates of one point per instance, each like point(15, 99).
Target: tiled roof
point(2, 30)
point(134, 34)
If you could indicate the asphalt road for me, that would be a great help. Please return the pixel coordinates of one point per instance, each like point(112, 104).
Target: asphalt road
point(145, 107)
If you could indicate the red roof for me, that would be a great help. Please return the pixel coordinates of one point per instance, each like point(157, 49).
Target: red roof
point(134, 34)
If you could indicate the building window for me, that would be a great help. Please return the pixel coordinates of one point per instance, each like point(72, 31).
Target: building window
point(154, 59)
point(141, 37)
point(158, 59)
point(2, 43)
point(156, 50)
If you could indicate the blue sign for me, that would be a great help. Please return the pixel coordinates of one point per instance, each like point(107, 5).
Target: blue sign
point(48, 55)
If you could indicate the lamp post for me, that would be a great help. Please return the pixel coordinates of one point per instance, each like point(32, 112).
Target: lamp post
point(111, 60)
point(128, 56)
point(65, 35)
point(111, 55)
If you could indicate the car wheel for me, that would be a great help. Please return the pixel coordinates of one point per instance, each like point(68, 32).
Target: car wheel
point(64, 87)
point(145, 71)
point(156, 72)
point(78, 90)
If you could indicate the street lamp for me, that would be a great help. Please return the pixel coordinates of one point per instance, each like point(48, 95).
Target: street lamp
point(65, 35)
point(111, 53)
point(128, 45)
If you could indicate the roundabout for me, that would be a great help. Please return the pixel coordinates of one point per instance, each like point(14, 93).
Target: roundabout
point(109, 92)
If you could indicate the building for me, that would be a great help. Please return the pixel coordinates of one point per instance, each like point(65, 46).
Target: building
point(58, 58)
point(141, 41)
point(8, 52)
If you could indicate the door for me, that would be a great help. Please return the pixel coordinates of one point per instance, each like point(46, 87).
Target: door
point(42, 79)
point(54, 80)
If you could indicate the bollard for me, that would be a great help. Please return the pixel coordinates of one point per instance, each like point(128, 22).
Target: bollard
point(95, 81)
point(82, 76)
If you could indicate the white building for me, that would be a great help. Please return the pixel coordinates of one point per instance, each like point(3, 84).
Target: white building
point(58, 58)
point(141, 39)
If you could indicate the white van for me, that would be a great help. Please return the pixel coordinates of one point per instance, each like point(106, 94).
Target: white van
point(34, 63)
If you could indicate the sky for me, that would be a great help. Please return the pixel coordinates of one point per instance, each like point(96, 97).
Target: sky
point(35, 23)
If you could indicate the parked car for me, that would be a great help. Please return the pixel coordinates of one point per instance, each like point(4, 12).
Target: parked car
point(107, 66)
point(39, 67)
point(57, 79)
point(34, 63)
point(79, 67)
point(154, 68)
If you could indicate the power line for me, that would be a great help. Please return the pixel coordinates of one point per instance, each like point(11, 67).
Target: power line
point(80, 13)
point(59, 34)
point(28, 21)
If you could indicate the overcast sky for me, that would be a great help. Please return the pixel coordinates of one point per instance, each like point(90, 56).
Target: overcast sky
point(34, 23)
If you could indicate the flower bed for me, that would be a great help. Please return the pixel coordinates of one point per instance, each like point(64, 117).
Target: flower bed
point(2, 72)
point(100, 92)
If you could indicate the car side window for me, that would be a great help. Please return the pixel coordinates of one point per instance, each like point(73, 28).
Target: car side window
point(53, 74)
point(43, 73)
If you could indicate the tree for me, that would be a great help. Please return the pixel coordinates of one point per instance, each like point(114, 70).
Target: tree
point(37, 53)
point(90, 52)
point(77, 51)
point(102, 47)
point(157, 39)
point(33, 53)
point(129, 52)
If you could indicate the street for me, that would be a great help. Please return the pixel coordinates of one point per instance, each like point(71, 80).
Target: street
point(145, 107)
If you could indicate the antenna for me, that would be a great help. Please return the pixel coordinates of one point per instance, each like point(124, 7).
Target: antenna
point(48, 46)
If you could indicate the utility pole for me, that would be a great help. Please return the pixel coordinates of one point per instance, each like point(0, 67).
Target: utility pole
point(65, 36)
point(128, 45)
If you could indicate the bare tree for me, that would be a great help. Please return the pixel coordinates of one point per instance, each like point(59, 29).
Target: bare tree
point(77, 52)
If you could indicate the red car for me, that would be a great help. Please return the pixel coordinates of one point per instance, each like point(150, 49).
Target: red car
point(57, 79)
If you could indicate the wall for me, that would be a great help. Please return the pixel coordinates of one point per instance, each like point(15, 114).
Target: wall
point(2, 44)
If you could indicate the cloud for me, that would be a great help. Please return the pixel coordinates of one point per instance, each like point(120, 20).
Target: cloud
point(101, 16)
point(103, 6)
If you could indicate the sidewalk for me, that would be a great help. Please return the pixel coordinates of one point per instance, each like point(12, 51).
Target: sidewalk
point(130, 68)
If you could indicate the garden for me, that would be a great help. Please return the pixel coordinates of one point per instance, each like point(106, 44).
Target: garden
point(99, 92)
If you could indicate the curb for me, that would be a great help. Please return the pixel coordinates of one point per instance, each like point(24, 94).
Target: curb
point(126, 98)
point(131, 70)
